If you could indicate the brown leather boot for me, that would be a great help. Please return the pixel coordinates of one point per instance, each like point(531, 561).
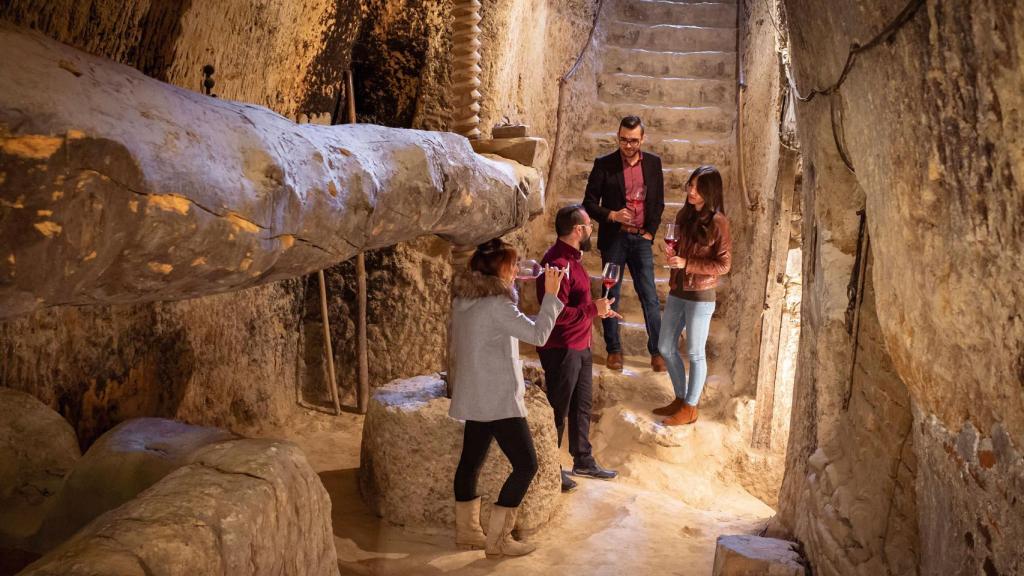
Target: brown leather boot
point(686, 415)
point(614, 361)
point(658, 364)
point(670, 409)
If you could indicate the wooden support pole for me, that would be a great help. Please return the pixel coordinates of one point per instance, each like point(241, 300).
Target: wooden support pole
point(363, 393)
point(328, 349)
point(774, 300)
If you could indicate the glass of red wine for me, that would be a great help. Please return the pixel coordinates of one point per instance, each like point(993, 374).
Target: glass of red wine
point(671, 239)
point(609, 277)
point(528, 270)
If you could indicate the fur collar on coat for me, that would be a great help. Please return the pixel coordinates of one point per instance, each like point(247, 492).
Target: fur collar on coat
point(472, 285)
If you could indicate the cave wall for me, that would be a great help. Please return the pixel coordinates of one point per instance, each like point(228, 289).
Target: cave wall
point(932, 123)
point(760, 46)
point(253, 359)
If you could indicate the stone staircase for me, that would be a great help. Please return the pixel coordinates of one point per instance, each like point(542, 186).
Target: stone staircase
point(673, 64)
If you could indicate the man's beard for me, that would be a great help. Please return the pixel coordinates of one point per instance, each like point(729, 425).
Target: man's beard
point(585, 244)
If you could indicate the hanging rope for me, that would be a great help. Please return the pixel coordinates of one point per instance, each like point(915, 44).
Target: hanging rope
point(563, 83)
point(838, 133)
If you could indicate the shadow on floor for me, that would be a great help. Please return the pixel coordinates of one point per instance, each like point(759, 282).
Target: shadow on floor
point(367, 544)
point(14, 561)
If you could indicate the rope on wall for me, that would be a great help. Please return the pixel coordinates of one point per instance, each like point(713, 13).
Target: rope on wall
point(563, 83)
point(832, 91)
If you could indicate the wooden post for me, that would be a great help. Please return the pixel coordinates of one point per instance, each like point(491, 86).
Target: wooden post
point(363, 394)
point(328, 349)
point(774, 300)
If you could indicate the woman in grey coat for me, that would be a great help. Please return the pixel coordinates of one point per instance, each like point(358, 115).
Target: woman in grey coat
point(488, 389)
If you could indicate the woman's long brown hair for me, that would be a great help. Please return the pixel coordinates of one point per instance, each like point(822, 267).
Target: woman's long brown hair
point(700, 226)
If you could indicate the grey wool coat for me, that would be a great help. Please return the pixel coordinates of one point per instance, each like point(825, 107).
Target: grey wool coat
point(486, 373)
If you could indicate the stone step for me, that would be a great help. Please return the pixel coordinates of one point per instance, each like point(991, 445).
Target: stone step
point(621, 88)
point(579, 171)
point(674, 152)
point(664, 37)
point(714, 14)
point(696, 122)
point(671, 207)
point(711, 65)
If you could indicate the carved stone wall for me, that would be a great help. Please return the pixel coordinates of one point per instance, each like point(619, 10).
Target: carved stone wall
point(931, 433)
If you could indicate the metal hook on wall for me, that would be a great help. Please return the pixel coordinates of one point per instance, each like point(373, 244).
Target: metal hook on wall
point(208, 80)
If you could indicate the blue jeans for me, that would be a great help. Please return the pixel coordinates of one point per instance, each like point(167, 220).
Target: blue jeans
point(695, 317)
point(634, 252)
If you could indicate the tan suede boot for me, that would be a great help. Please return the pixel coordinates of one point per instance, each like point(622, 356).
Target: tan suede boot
point(686, 415)
point(670, 409)
point(499, 534)
point(468, 532)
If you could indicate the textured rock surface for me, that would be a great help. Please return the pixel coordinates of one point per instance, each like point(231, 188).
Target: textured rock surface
point(186, 196)
point(411, 447)
point(241, 360)
point(240, 507)
point(914, 472)
point(122, 463)
point(37, 449)
point(755, 556)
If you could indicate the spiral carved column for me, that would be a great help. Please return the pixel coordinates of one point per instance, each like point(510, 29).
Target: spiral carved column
point(466, 68)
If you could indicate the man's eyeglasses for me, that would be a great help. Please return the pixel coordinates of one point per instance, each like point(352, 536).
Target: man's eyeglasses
point(629, 141)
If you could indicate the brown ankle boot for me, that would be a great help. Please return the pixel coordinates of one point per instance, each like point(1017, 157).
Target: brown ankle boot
point(670, 409)
point(614, 361)
point(686, 415)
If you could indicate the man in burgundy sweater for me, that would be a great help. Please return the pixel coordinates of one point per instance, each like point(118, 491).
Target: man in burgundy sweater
point(566, 357)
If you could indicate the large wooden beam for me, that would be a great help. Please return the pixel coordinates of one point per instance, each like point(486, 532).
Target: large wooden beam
point(774, 300)
point(117, 188)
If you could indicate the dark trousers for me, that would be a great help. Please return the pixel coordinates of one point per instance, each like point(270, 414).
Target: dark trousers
point(568, 375)
point(636, 253)
point(513, 436)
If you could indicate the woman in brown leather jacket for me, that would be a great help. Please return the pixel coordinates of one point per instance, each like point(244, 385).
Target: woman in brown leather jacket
point(704, 253)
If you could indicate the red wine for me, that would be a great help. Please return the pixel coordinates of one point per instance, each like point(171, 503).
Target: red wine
point(671, 245)
point(608, 283)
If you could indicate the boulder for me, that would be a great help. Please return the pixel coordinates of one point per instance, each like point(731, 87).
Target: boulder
point(756, 556)
point(37, 449)
point(240, 507)
point(411, 447)
point(123, 462)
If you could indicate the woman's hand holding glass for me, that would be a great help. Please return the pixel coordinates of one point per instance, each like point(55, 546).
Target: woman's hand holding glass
point(676, 262)
point(553, 279)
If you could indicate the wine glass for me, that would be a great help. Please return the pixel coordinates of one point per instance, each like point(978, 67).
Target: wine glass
point(609, 277)
point(528, 270)
point(671, 239)
point(635, 202)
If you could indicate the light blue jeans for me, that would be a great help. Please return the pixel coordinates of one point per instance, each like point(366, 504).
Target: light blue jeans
point(695, 317)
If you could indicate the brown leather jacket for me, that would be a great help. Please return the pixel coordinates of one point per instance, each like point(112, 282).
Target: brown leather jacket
point(704, 264)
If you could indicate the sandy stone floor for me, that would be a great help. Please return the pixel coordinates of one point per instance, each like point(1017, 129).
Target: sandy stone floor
point(676, 494)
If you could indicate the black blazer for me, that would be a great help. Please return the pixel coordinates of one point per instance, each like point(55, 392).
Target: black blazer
point(606, 192)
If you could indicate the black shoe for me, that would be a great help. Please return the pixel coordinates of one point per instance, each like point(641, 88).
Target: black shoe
point(594, 470)
point(568, 484)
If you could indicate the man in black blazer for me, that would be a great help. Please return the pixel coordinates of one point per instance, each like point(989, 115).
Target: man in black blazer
point(626, 195)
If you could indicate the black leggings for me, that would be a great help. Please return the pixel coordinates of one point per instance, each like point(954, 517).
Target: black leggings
point(513, 436)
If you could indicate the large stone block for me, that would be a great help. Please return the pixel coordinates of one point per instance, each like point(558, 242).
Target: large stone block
point(37, 449)
point(122, 463)
point(240, 507)
point(411, 448)
point(756, 556)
